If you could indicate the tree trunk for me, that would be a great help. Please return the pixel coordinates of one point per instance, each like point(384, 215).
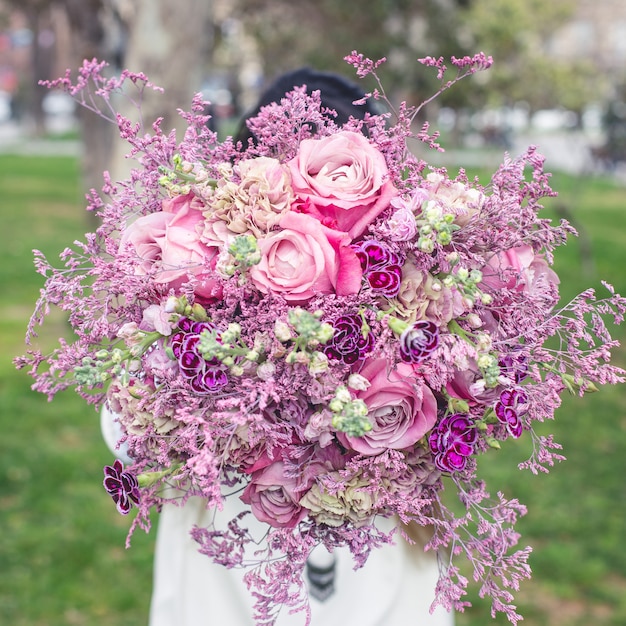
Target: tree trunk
point(169, 42)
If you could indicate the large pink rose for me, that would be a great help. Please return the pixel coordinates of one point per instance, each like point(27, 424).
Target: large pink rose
point(168, 245)
point(401, 407)
point(519, 269)
point(305, 259)
point(342, 180)
point(273, 497)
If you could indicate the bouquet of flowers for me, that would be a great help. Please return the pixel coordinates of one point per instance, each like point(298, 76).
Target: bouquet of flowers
point(324, 326)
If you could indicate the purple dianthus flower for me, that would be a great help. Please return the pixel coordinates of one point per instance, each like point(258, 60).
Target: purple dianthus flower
point(121, 486)
point(203, 376)
point(349, 343)
point(452, 441)
point(382, 269)
point(509, 409)
point(418, 341)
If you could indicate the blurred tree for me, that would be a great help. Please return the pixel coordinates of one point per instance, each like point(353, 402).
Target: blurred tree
point(37, 13)
point(518, 34)
point(170, 43)
point(320, 33)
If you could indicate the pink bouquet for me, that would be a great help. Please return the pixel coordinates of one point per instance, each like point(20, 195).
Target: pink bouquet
point(321, 325)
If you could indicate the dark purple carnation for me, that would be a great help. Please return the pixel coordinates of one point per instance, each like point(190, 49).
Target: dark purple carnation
point(382, 268)
point(349, 344)
point(452, 442)
point(418, 341)
point(121, 486)
point(509, 410)
point(203, 376)
point(374, 255)
point(514, 366)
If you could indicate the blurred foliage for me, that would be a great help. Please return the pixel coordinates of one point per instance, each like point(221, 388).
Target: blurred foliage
point(518, 34)
point(322, 33)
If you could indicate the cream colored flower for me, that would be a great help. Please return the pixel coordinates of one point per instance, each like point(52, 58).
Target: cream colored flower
point(125, 401)
point(355, 504)
point(455, 197)
point(253, 197)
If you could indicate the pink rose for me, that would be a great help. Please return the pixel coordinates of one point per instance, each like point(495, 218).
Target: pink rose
point(168, 246)
point(342, 180)
point(273, 497)
point(305, 259)
point(519, 269)
point(468, 384)
point(401, 407)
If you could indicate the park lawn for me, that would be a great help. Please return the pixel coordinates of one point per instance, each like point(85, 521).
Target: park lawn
point(62, 542)
point(62, 546)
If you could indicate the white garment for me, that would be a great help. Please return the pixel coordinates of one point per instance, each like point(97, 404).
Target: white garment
point(394, 588)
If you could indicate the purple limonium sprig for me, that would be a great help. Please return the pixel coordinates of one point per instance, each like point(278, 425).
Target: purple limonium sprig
point(452, 442)
point(382, 268)
point(418, 341)
point(203, 376)
point(509, 410)
point(122, 486)
point(350, 342)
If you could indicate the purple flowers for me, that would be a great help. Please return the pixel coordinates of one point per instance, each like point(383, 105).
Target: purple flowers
point(418, 341)
point(349, 343)
point(203, 376)
point(452, 441)
point(509, 409)
point(121, 486)
point(382, 268)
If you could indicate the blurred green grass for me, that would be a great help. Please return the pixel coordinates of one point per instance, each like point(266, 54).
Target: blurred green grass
point(62, 555)
point(62, 552)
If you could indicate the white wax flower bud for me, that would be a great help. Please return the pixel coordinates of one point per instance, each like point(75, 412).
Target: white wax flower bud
point(266, 370)
point(476, 276)
point(318, 363)
point(282, 331)
point(343, 395)
point(358, 382)
point(483, 342)
point(252, 355)
point(170, 304)
point(474, 320)
point(485, 360)
point(336, 406)
point(462, 274)
point(425, 245)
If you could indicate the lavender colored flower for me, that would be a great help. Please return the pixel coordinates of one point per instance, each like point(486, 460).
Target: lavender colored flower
point(382, 269)
point(514, 366)
point(509, 410)
point(203, 376)
point(121, 486)
point(452, 442)
point(349, 343)
point(418, 341)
